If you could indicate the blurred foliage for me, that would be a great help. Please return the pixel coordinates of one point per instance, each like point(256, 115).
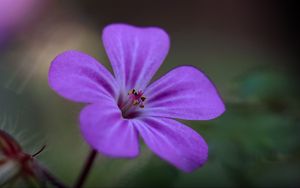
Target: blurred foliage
point(255, 143)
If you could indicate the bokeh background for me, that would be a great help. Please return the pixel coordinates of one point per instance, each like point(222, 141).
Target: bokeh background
point(248, 49)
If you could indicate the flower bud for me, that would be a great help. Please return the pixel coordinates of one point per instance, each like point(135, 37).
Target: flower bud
point(15, 163)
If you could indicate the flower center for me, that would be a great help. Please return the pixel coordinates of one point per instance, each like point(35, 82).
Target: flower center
point(135, 100)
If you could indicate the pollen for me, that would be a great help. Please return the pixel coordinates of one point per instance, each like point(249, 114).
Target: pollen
point(137, 98)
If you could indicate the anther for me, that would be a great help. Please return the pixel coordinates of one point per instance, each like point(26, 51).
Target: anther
point(137, 98)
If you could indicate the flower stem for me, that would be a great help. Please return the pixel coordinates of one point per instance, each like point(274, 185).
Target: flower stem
point(86, 169)
point(52, 179)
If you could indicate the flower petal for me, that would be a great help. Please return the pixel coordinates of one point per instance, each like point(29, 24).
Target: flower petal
point(184, 93)
point(174, 142)
point(135, 53)
point(106, 131)
point(80, 78)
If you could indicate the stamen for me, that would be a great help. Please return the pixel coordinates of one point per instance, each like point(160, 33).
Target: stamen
point(135, 99)
point(135, 102)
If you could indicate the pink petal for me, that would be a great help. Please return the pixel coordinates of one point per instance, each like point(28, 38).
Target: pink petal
point(184, 93)
point(135, 53)
point(103, 127)
point(173, 142)
point(81, 78)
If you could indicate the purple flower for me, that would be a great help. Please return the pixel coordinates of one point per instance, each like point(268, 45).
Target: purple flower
point(124, 107)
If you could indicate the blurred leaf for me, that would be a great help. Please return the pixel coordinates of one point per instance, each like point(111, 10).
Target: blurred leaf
point(265, 84)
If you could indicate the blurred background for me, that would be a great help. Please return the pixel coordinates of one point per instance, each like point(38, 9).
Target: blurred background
point(248, 49)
